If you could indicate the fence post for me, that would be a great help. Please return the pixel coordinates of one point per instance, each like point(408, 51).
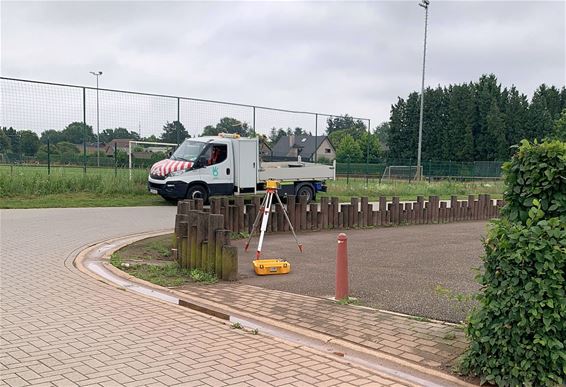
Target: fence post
point(115, 159)
point(316, 137)
point(84, 130)
point(178, 120)
point(48, 157)
point(342, 267)
point(348, 172)
point(254, 119)
point(367, 152)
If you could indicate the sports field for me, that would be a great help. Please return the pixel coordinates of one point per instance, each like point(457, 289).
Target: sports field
point(29, 186)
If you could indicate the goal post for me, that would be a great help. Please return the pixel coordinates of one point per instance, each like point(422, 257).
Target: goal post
point(132, 143)
point(401, 172)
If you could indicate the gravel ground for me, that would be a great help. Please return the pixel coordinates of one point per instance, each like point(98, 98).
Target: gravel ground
point(396, 269)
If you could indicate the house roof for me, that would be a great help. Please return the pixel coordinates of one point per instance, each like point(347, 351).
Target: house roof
point(308, 144)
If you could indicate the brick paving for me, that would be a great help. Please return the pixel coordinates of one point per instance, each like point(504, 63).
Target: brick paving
point(431, 344)
point(60, 327)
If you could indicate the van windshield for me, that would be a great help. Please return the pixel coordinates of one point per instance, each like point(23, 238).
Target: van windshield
point(188, 151)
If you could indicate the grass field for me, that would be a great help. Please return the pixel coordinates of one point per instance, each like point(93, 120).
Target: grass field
point(32, 187)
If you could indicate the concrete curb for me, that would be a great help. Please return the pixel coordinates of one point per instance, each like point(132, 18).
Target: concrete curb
point(225, 312)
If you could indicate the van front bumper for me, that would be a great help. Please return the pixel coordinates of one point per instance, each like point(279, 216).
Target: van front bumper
point(168, 189)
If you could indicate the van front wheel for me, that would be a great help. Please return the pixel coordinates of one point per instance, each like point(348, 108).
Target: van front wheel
point(197, 192)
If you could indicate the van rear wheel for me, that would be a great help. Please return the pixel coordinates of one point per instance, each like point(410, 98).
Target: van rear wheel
point(306, 190)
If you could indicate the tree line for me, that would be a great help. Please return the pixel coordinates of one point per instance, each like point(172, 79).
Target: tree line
point(474, 121)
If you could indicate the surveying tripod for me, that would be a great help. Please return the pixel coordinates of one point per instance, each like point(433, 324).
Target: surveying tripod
point(264, 211)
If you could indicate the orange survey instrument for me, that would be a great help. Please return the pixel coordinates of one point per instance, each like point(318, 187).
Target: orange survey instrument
point(270, 266)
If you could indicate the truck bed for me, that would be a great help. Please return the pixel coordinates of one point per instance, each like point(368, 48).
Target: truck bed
point(293, 170)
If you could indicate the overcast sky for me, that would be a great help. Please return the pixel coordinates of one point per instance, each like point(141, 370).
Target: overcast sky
point(332, 57)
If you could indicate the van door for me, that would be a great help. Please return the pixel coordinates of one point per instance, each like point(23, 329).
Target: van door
point(218, 171)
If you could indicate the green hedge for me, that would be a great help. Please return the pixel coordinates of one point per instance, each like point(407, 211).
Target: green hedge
point(518, 332)
point(537, 171)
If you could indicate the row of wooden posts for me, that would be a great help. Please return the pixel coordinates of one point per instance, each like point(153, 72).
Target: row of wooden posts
point(238, 214)
point(203, 234)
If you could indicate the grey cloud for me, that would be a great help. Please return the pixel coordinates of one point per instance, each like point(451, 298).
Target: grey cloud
point(340, 57)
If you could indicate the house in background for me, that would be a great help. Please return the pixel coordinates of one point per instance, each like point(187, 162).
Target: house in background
point(305, 146)
point(121, 144)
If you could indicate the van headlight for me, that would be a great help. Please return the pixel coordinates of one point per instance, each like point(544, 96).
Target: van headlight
point(178, 173)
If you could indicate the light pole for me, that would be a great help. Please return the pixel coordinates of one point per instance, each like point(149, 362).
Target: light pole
point(424, 4)
point(97, 74)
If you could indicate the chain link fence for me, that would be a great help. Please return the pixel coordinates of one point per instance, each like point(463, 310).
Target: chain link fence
point(86, 112)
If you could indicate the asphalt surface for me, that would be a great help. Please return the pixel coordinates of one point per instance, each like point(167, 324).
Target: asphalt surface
point(396, 269)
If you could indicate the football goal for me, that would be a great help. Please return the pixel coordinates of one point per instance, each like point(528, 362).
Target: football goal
point(401, 172)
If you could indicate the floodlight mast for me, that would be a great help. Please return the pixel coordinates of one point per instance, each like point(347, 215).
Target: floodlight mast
point(97, 74)
point(424, 4)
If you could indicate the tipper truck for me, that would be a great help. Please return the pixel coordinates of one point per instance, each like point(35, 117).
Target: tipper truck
point(230, 165)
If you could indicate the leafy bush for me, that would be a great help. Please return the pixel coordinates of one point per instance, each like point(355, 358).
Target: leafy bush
point(537, 171)
point(518, 332)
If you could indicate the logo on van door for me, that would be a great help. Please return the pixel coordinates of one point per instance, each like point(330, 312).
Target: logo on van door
point(215, 171)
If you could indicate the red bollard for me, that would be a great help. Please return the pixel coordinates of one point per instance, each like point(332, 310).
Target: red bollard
point(342, 267)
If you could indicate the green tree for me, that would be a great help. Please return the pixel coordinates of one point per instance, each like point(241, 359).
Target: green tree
point(174, 132)
point(29, 142)
point(349, 150)
point(516, 114)
point(459, 140)
point(77, 133)
point(108, 135)
point(5, 143)
point(560, 127)
point(54, 136)
point(374, 147)
point(228, 125)
point(496, 149)
point(539, 122)
point(352, 127)
point(382, 133)
point(276, 134)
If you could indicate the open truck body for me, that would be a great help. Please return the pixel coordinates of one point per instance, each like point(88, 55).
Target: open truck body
point(230, 165)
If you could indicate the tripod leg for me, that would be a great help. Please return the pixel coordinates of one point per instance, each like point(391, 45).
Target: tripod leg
point(264, 223)
point(256, 222)
point(289, 222)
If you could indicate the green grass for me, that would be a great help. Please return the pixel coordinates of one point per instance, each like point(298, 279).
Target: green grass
point(409, 191)
point(32, 187)
point(168, 275)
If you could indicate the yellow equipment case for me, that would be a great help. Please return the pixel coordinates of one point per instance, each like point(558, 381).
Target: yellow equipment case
point(271, 266)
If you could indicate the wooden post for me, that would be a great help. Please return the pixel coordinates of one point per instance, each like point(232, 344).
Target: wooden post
point(354, 203)
point(382, 209)
point(199, 204)
point(365, 211)
point(324, 211)
point(215, 205)
point(314, 216)
point(215, 223)
point(229, 263)
point(202, 233)
point(291, 210)
point(471, 205)
point(222, 239)
point(182, 242)
point(303, 212)
point(335, 209)
point(239, 203)
point(395, 210)
point(192, 232)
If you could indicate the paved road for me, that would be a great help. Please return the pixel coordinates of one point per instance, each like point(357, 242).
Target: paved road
point(396, 268)
point(61, 327)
